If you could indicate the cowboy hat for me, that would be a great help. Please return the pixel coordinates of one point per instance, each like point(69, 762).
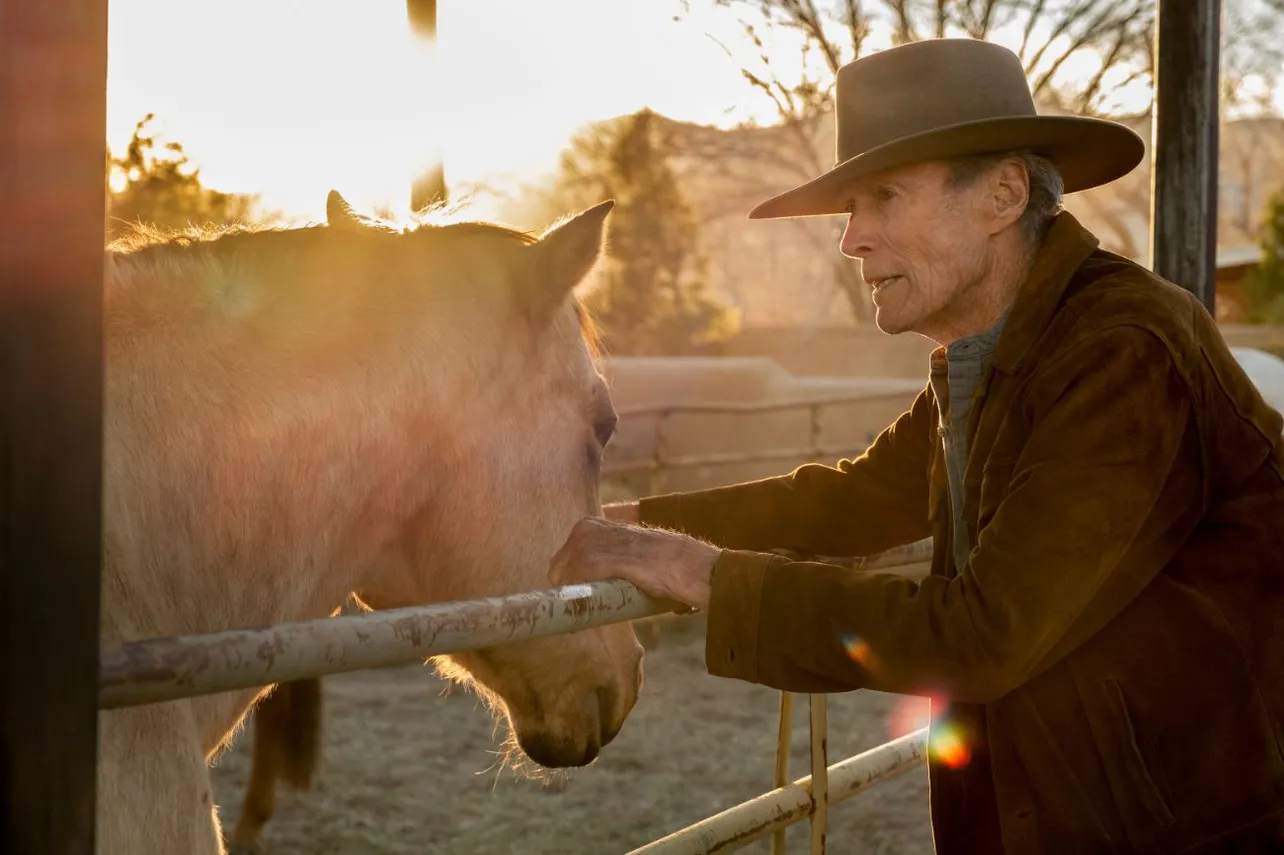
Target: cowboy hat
point(945, 98)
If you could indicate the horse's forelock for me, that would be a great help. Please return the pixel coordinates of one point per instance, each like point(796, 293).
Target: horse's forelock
point(589, 330)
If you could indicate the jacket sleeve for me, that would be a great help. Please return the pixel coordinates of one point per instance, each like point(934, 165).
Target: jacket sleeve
point(868, 504)
point(1101, 497)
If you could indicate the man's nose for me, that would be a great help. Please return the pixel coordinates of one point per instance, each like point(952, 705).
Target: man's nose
point(858, 240)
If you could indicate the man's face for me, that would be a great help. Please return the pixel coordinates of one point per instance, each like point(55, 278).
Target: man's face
point(922, 244)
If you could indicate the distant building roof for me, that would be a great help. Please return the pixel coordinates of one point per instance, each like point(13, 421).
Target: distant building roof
point(1238, 256)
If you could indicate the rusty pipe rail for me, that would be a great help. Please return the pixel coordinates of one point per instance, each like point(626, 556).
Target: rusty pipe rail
point(166, 669)
point(757, 818)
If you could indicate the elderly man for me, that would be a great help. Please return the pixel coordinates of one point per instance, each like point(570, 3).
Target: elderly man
point(1103, 625)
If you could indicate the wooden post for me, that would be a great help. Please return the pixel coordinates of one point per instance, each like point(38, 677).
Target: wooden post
point(53, 96)
point(1184, 174)
point(430, 187)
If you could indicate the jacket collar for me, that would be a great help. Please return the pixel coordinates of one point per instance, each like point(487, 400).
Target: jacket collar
point(1065, 248)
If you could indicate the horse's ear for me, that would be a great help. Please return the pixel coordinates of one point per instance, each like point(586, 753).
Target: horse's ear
point(568, 252)
point(340, 216)
point(338, 213)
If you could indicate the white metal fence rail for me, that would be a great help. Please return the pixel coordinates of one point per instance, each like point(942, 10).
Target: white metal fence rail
point(166, 669)
point(660, 462)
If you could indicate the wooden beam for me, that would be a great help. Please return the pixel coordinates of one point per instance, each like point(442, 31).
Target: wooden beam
point(1184, 176)
point(422, 15)
point(53, 80)
point(430, 187)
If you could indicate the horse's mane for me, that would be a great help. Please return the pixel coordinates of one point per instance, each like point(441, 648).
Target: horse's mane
point(223, 239)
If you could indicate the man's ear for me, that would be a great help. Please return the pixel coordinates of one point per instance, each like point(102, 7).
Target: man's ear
point(1009, 192)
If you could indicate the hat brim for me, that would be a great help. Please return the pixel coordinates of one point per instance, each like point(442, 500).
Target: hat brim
point(1087, 152)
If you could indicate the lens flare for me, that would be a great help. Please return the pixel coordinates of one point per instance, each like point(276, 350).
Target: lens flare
point(908, 714)
point(860, 652)
point(946, 740)
point(948, 746)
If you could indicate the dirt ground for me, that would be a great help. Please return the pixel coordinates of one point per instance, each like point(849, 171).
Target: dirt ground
point(409, 768)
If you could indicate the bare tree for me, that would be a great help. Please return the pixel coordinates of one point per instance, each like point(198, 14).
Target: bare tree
point(1252, 54)
point(1079, 56)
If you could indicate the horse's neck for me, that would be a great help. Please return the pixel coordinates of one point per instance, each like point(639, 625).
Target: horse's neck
point(238, 497)
point(231, 518)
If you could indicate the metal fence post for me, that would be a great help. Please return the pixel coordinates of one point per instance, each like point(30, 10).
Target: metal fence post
point(781, 776)
point(819, 772)
point(813, 414)
point(658, 479)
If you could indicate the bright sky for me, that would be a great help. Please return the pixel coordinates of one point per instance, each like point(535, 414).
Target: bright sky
point(289, 98)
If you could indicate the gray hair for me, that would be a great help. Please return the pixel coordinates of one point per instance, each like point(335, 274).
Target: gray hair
point(1046, 186)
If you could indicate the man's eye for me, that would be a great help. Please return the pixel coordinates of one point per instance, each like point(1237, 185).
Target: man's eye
point(885, 193)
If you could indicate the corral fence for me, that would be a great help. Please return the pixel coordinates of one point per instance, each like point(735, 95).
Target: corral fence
point(166, 669)
point(659, 462)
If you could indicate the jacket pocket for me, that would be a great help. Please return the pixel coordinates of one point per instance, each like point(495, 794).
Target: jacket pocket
point(1141, 779)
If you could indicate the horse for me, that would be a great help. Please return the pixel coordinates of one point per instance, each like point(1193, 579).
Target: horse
point(292, 416)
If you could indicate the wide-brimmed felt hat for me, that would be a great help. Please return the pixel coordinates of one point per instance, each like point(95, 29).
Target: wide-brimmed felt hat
point(945, 98)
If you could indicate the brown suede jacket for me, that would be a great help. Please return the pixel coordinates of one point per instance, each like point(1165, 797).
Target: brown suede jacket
point(1113, 651)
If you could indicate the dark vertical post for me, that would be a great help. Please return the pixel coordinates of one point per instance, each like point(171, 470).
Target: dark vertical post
point(431, 186)
point(53, 81)
point(1184, 175)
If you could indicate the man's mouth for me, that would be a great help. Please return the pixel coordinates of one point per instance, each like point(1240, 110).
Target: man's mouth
point(882, 281)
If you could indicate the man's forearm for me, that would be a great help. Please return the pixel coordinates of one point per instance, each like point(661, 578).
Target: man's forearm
point(814, 510)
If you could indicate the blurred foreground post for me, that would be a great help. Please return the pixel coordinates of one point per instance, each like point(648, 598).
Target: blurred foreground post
point(53, 95)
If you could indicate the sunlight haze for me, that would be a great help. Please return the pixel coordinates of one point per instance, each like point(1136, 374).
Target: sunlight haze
point(287, 98)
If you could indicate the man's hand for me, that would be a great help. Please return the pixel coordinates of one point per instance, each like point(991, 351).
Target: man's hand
point(664, 564)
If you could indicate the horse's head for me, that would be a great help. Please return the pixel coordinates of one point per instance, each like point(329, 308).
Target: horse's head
point(515, 418)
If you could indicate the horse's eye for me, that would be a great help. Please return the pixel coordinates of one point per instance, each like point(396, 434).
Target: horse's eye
point(604, 428)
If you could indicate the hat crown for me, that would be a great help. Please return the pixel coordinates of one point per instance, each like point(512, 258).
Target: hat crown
point(924, 86)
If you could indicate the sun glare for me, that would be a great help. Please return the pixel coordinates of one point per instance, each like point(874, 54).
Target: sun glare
point(289, 99)
point(286, 99)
